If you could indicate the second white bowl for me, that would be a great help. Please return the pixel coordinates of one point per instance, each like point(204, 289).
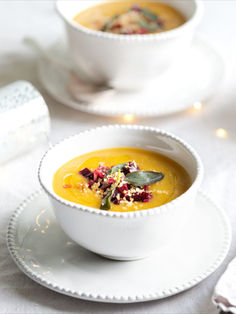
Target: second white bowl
point(127, 61)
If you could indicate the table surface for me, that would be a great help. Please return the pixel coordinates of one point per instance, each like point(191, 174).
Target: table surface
point(18, 19)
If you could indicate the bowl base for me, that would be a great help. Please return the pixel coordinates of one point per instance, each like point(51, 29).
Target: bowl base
point(125, 259)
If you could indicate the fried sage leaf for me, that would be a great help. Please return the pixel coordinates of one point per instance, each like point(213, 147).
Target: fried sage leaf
point(149, 27)
point(148, 14)
point(108, 25)
point(116, 168)
point(106, 201)
point(140, 178)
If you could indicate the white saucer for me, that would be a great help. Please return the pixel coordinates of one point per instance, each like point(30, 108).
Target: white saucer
point(45, 254)
point(195, 79)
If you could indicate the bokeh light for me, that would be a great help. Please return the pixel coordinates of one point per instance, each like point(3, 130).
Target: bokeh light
point(222, 133)
point(197, 105)
point(128, 117)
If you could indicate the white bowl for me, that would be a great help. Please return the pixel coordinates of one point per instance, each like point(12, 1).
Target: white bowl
point(117, 235)
point(127, 61)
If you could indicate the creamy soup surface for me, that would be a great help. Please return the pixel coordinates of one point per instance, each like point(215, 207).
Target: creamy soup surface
point(88, 179)
point(130, 17)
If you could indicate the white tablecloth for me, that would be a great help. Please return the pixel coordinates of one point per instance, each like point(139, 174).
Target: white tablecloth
point(18, 179)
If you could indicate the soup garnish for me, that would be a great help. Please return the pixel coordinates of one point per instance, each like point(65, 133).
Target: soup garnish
point(121, 183)
point(136, 20)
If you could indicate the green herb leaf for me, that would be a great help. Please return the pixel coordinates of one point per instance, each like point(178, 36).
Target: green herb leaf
point(116, 168)
point(149, 27)
point(140, 178)
point(106, 201)
point(148, 14)
point(108, 24)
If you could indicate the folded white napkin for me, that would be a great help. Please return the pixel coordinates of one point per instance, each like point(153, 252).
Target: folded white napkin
point(225, 291)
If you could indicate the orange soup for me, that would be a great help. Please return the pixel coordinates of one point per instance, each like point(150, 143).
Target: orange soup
point(130, 17)
point(121, 179)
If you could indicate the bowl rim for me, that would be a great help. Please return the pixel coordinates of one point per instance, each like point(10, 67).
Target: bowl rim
point(132, 214)
point(194, 20)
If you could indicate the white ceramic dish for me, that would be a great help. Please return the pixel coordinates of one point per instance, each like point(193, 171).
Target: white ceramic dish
point(44, 253)
point(127, 61)
point(122, 236)
point(201, 74)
